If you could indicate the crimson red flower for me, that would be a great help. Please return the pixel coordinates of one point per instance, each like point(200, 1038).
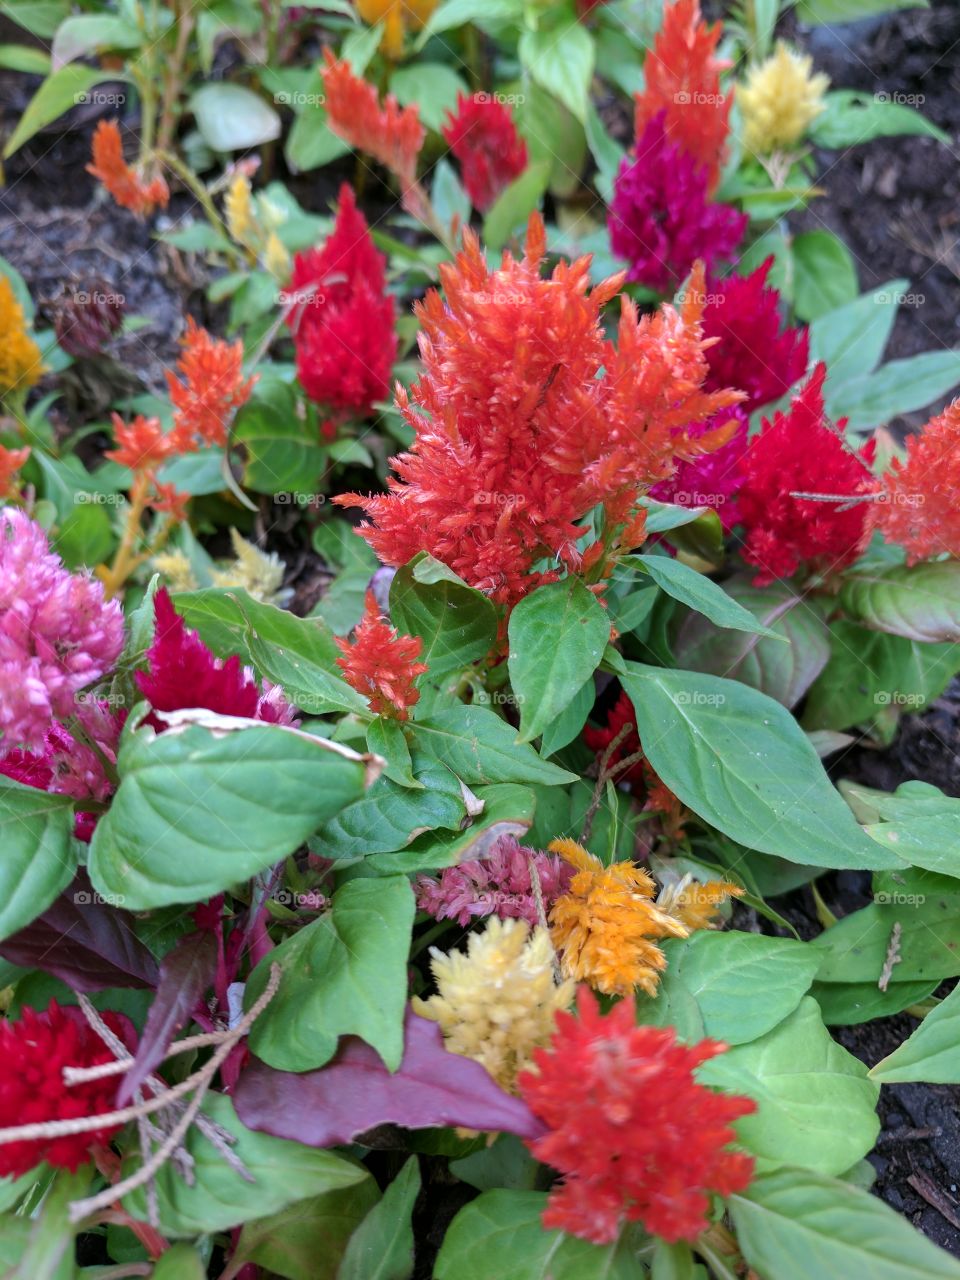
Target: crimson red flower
point(212, 390)
point(526, 416)
point(752, 352)
point(483, 137)
point(381, 664)
point(343, 319)
point(918, 505)
point(713, 479)
point(33, 1052)
point(799, 453)
point(682, 79)
point(184, 673)
point(634, 1134)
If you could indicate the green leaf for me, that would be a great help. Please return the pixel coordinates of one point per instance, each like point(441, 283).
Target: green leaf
point(85, 537)
point(457, 624)
point(448, 196)
point(700, 593)
point(562, 731)
point(922, 826)
point(930, 1054)
point(480, 747)
point(498, 1236)
point(794, 1225)
point(672, 1262)
point(456, 13)
point(818, 12)
point(381, 1248)
point(228, 619)
point(179, 1262)
point(855, 948)
point(850, 117)
point(43, 1246)
point(557, 635)
point(433, 86)
point(39, 854)
point(844, 1004)
point(198, 810)
point(58, 93)
point(88, 32)
point(514, 205)
point(232, 118)
point(741, 761)
point(283, 1172)
point(307, 1239)
point(311, 143)
point(898, 387)
point(562, 62)
point(385, 738)
point(826, 277)
point(39, 17)
point(283, 453)
point(851, 339)
point(920, 603)
point(343, 974)
point(505, 1163)
point(607, 153)
point(802, 1081)
point(782, 671)
point(23, 57)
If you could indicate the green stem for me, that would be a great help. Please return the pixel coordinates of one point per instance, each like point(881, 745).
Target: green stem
point(197, 189)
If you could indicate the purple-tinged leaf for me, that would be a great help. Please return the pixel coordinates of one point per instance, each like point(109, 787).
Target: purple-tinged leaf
point(85, 942)
point(356, 1092)
point(185, 974)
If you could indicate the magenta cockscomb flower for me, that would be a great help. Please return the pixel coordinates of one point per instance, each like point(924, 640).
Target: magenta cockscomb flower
point(499, 885)
point(184, 673)
point(661, 217)
point(711, 479)
point(57, 633)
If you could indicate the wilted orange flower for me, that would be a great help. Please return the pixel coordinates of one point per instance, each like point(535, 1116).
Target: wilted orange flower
point(20, 362)
point(126, 186)
point(695, 904)
point(381, 664)
point(11, 460)
point(390, 134)
point(533, 417)
point(143, 444)
point(683, 80)
point(213, 387)
point(604, 926)
point(918, 505)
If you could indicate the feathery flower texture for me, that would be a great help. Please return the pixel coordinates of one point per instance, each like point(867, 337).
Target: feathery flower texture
point(918, 504)
point(713, 479)
point(635, 1136)
point(33, 1053)
point(497, 885)
point(397, 16)
point(20, 363)
point(127, 186)
point(780, 99)
point(343, 319)
point(483, 137)
point(381, 664)
point(212, 390)
point(516, 435)
point(496, 1003)
point(57, 634)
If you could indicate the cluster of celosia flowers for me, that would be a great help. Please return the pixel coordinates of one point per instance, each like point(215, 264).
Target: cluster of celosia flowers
point(780, 99)
point(128, 186)
point(381, 664)
point(527, 416)
point(497, 1002)
point(20, 362)
point(917, 504)
point(635, 1136)
point(483, 137)
point(662, 218)
point(511, 882)
point(342, 318)
point(57, 633)
point(398, 17)
point(799, 453)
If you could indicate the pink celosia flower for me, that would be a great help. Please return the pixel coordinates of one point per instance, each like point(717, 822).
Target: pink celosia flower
point(184, 673)
point(57, 633)
point(661, 217)
point(752, 353)
point(712, 479)
point(498, 885)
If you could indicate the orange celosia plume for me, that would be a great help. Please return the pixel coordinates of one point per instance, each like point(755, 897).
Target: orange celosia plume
point(126, 186)
point(381, 664)
point(142, 443)
point(918, 506)
point(683, 80)
point(11, 460)
point(213, 387)
point(522, 435)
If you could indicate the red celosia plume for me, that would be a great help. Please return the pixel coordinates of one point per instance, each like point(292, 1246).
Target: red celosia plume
point(483, 137)
point(682, 77)
point(918, 502)
point(11, 460)
point(126, 186)
point(518, 435)
point(381, 664)
point(213, 387)
point(634, 1134)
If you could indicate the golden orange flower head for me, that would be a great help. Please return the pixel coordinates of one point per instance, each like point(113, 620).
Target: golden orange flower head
point(605, 925)
point(20, 362)
point(695, 904)
point(213, 387)
point(389, 134)
point(142, 444)
point(11, 460)
point(129, 189)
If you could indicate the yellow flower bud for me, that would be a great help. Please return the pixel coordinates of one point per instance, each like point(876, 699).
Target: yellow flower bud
point(779, 100)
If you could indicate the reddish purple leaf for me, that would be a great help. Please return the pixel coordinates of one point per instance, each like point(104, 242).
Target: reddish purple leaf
point(84, 942)
point(185, 974)
point(356, 1092)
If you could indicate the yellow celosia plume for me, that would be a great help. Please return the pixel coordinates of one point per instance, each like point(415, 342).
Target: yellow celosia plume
point(20, 362)
point(779, 100)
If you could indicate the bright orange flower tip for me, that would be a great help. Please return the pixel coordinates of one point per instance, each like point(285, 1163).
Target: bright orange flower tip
point(381, 664)
point(123, 182)
point(392, 135)
point(683, 80)
point(213, 388)
point(142, 444)
point(11, 460)
point(918, 503)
